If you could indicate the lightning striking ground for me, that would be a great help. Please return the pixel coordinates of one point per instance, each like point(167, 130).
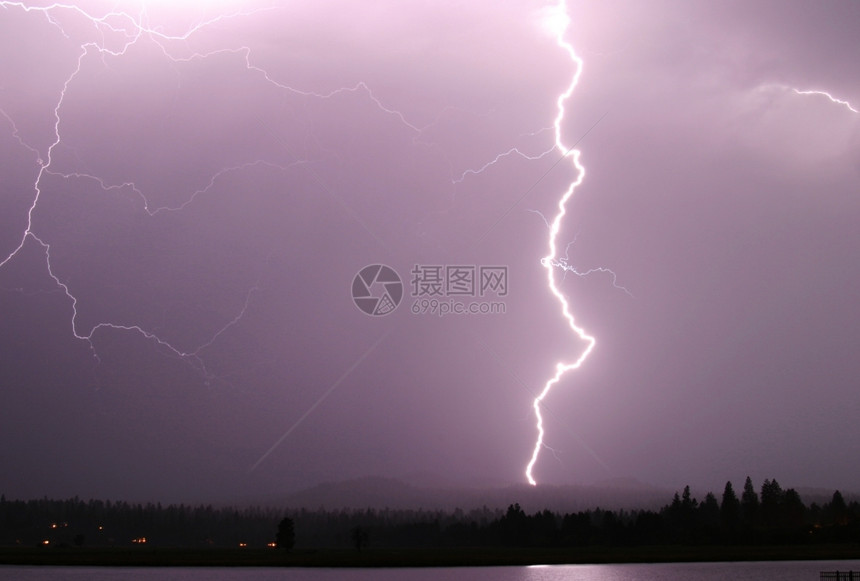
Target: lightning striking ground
point(550, 261)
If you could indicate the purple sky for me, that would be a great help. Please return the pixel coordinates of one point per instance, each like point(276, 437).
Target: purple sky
point(209, 187)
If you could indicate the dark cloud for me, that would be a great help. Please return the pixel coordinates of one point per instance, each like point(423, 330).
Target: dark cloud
point(211, 199)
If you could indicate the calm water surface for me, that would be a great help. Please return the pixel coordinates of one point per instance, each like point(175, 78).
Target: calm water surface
point(757, 571)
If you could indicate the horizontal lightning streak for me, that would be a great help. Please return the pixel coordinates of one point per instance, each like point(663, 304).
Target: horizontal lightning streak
point(829, 96)
point(565, 265)
point(498, 158)
point(212, 181)
point(88, 337)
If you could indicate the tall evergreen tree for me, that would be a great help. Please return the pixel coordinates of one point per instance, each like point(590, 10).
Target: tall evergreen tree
point(708, 517)
point(771, 502)
point(730, 512)
point(514, 527)
point(794, 511)
point(687, 501)
point(286, 537)
point(836, 510)
point(749, 504)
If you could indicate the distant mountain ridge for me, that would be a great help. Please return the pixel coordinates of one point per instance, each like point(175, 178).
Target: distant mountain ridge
point(379, 493)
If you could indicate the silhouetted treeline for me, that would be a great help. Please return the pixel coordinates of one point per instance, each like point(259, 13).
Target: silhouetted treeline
point(775, 516)
point(770, 515)
point(105, 523)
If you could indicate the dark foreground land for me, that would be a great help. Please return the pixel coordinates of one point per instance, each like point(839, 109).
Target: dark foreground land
point(418, 557)
point(776, 525)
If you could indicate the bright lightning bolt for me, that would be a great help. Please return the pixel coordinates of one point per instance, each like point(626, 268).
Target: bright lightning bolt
point(829, 96)
point(552, 259)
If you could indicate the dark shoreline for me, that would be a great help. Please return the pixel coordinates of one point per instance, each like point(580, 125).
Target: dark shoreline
point(427, 557)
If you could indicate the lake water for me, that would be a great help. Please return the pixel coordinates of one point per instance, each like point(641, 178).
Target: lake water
point(755, 571)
